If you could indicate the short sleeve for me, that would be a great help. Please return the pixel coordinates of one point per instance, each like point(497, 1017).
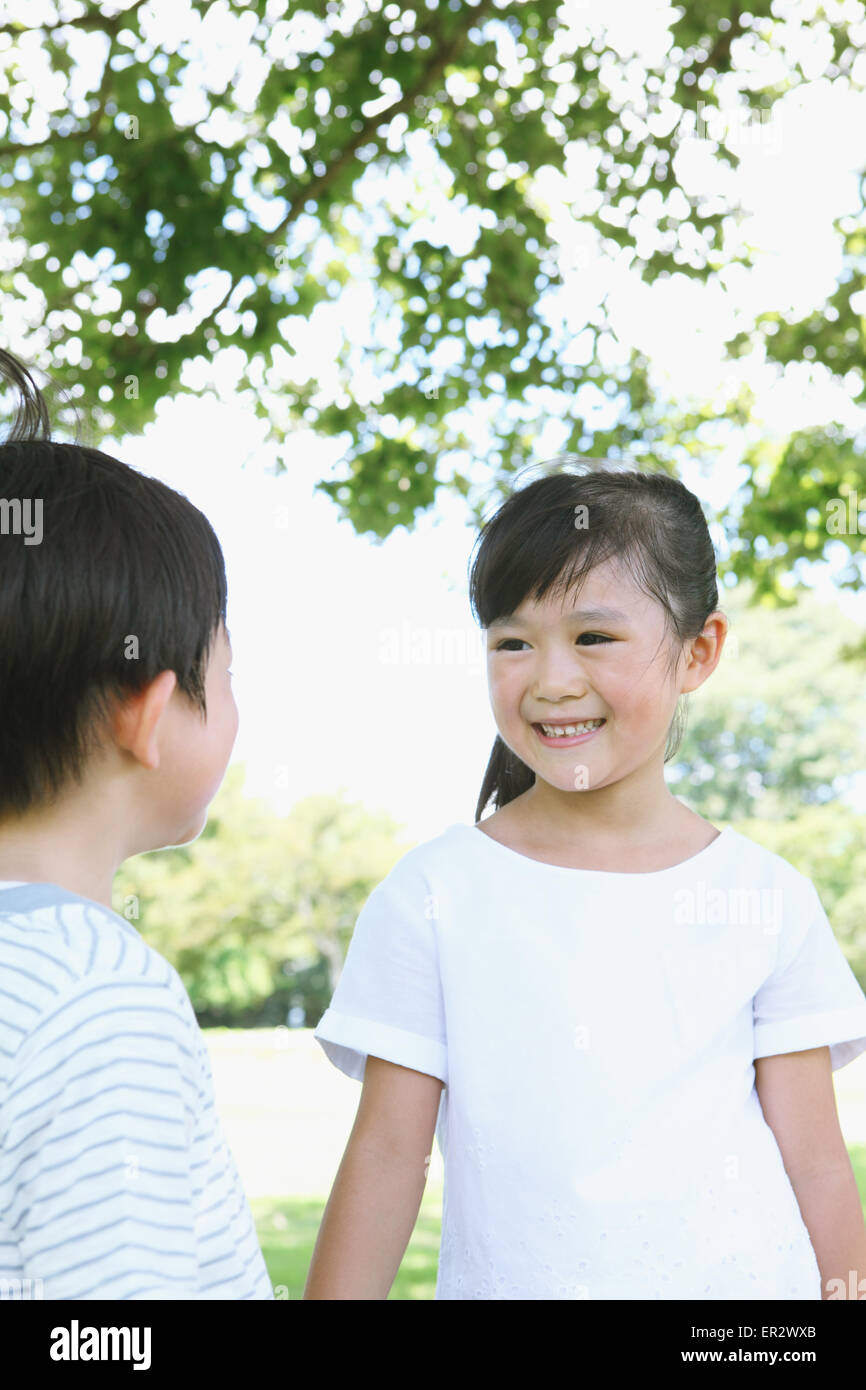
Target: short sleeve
point(388, 999)
point(812, 998)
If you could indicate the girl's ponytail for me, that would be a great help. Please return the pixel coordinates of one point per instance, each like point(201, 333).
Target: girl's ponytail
point(505, 777)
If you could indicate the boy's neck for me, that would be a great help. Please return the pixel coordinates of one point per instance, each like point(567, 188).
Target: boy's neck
point(83, 885)
point(67, 849)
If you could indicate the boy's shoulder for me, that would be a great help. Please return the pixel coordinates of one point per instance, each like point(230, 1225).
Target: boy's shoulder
point(52, 939)
point(71, 967)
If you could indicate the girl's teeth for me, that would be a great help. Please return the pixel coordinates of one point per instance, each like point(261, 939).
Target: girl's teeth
point(569, 730)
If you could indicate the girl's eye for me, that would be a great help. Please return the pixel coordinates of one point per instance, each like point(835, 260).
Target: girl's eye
point(597, 635)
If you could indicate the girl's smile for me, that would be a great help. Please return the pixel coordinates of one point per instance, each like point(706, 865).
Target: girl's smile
point(567, 740)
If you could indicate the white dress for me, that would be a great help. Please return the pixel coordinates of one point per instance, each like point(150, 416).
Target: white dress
point(601, 1132)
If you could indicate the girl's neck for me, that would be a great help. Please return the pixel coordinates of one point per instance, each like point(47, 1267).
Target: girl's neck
point(591, 822)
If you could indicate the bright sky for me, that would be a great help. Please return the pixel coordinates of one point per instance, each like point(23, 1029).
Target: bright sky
point(316, 613)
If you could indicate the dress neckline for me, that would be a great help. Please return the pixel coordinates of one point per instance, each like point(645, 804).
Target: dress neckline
point(501, 849)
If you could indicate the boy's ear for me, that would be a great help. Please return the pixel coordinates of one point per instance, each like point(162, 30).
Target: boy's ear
point(136, 718)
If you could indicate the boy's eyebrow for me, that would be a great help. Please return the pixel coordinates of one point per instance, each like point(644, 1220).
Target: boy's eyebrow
point(583, 615)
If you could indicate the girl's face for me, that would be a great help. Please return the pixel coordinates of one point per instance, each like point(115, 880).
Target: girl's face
point(603, 654)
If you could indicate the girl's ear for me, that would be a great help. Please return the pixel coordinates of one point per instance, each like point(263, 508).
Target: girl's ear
point(706, 651)
point(136, 718)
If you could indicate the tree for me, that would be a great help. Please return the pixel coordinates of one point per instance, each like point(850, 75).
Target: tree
point(149, 235)
point(777, 728)
point(258, 900)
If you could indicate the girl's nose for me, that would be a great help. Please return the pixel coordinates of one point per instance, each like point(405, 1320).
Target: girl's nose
point(558, 676)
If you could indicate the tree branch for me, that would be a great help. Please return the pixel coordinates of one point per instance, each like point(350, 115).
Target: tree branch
point(438, 62)
point(95, 120)
point(97, 22)
point(721, 49)
point(440, 58)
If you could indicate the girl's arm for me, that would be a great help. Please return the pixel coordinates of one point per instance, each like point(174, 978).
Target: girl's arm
point(377, 1192)
point(799, 1104)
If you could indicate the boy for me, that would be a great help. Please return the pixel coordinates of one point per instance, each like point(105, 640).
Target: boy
point(117, 721)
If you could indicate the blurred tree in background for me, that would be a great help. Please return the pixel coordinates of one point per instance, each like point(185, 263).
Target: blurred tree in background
point(259, 909)
point(779, 725)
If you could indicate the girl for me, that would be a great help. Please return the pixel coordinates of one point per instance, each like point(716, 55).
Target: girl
point(621, 1020)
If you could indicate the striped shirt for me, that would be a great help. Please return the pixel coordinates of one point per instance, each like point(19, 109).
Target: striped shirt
point(115, 1178)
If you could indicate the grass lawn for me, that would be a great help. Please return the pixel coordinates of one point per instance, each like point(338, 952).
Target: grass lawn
point(287, 1230)
point(287, 1112)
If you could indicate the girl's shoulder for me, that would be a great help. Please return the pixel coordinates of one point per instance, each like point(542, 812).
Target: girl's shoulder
point(427, 859)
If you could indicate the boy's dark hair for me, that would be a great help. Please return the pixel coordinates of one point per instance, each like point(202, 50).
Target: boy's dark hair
point(120, 556)
point(532, 546)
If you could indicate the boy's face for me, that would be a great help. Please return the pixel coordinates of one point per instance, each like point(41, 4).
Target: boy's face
point(194, 753)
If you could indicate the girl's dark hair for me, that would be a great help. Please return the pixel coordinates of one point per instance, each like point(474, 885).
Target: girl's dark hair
point(121, 579)
point(533, 545)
